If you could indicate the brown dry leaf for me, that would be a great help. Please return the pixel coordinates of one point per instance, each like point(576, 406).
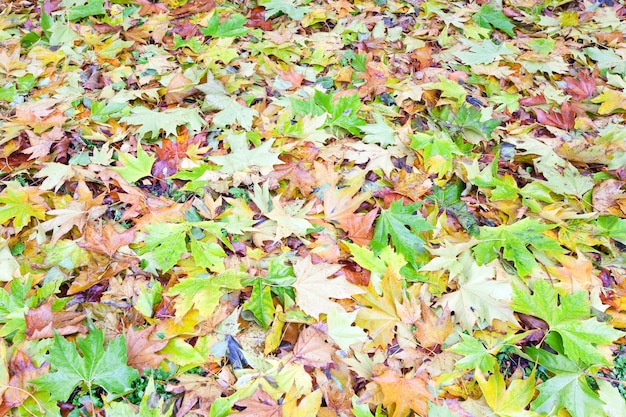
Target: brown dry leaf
point(413, 185)
point(99, 268)
point(298, 174)
point(40, 145)
point(312, 349)
point(199, 393)
point(148, 7)
point(375, 79)
point(260, 404)
point(402, 393)
point(179, 88)
point(360, 227)
point(341, 203)
point(21, 372)
point(433, 330)
point(192, 7)
point(142, 350)
point(41, 322)
point(581, 87)
point(605, 196)
point(337, 389)
point(106, 240)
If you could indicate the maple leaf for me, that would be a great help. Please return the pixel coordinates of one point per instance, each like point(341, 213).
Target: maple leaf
point(400, 225)
point(314, 289)
point(507, 401)
point(565, 119)
point(581, 87)
point(379, 132)
point(142, 351)
point(199, 393)
point(203, 294)
point(402, 393)
point(135, 168)
point(41, 321)
point(567, 388)
point(259, 404)
point(312, 349)
point(485, 52)
point(106, 239)
point(514, 239)
point(479, 297)
point(288, 7)
point(21, 204)
point(153, 121)
point(432, 330)
point(380, 315)
point(341, 330)
point(15, 376)
point(489, 16)
point(97, 367)
point(241, 158)
point(569, 317)
point(290, 219)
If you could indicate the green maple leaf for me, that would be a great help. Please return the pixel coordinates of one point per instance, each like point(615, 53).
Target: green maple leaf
point(153, 121)
point(92, 8)
point(569, 317)
point(379, 132)
point(488, 17)
point(204, 293)
point(97, 367)
point(231, 27)
point(241, 158)
point(294, 11)
point(342, 113)
point(21, 204)
point(134, 169)
point(166, 242)
point(400, 224)
point(475, 354)
point(567, 388)
point(515, 239)
point(607, 59)
point(449, 89)
point(485, 52)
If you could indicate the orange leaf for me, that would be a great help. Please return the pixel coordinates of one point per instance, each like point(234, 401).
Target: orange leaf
point(401, 394)
point(292, 77)
point(41, 321)
point(433, 330)
point(142, 349)
point(260, 404)
point(106, 240)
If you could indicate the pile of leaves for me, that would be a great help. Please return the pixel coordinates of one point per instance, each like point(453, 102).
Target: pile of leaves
point(299, 208)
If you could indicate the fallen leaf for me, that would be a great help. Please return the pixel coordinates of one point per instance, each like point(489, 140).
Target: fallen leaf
point(142, 348)
point(314, 289)
point(41, 322)
point(402, 393)
point(312, 349)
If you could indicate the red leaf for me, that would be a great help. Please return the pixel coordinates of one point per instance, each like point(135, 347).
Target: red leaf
point(563, 120)
point(582, 87)
point(256, 19)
